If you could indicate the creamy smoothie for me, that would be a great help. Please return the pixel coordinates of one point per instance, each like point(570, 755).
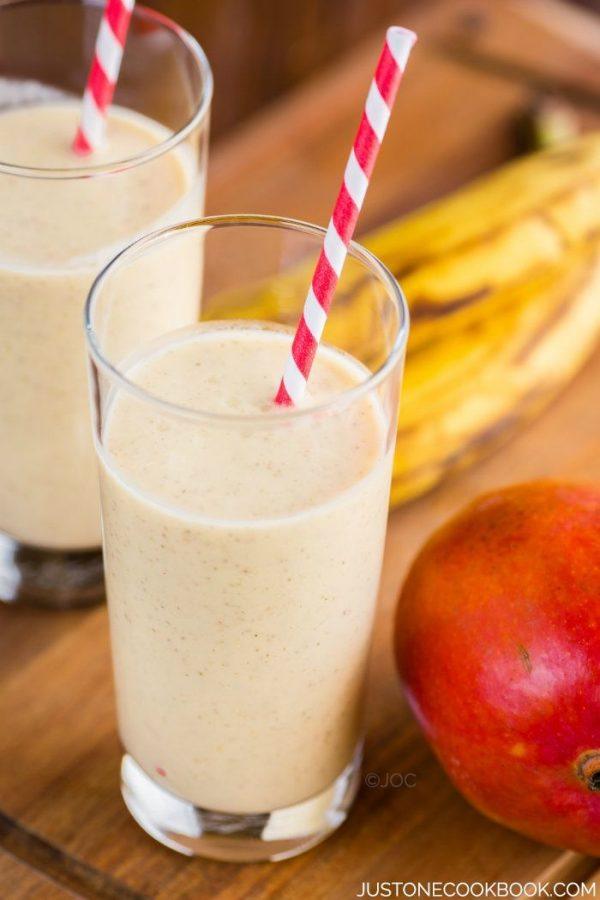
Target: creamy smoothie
point(55, 235)
point(242, 558)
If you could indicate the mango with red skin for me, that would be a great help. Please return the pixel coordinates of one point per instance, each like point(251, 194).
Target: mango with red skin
point(497, 640)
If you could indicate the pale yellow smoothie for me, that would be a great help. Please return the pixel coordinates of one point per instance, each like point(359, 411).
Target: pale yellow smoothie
point(55, 235)
point(242, 559)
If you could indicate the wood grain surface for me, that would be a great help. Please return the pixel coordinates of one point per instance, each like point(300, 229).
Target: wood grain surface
point(63, 828)
point(19, 880)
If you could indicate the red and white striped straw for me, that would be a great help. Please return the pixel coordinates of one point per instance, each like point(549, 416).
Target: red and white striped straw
point(103, 75)
point(380, 99)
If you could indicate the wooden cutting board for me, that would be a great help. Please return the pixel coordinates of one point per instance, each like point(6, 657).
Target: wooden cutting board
point(63, 828)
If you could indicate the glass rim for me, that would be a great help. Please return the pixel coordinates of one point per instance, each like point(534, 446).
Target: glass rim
point(342, 398)
point(120, 165)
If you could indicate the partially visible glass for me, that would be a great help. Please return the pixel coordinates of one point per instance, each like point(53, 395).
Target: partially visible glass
point(243, 542)
point(61, 218)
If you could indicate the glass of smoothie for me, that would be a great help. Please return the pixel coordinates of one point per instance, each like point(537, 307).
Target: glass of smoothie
point(243, 540)
point(62, 217)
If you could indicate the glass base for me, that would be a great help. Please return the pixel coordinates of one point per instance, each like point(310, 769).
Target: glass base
point(249, 837)
point(49, 578)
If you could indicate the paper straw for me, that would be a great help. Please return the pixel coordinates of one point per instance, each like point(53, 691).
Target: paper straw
point(375, 117)
point(103, 75)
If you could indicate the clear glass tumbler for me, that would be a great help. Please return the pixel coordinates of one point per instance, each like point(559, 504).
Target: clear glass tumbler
point(243, 541)
point(62, 217)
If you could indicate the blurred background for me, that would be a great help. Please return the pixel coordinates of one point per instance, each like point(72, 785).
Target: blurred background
point(259, 49)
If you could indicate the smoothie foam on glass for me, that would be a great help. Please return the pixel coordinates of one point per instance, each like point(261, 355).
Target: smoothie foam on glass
point(62, 216)
point(243, 542)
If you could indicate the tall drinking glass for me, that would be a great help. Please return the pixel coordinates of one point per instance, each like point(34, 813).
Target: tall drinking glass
point(62, 216)
point(242, 541)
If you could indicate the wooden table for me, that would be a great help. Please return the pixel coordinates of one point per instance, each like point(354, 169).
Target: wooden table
point(63, 828)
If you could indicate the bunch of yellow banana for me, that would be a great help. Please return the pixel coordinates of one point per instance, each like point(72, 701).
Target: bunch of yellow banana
point(503, 284)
